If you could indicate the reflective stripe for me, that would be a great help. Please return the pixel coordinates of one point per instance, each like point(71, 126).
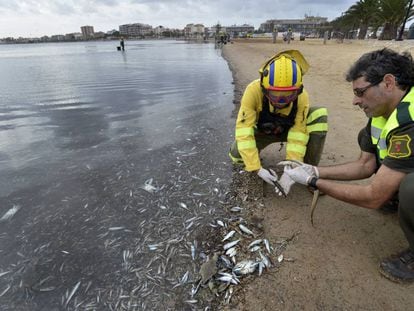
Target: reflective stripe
point(382, 143)
point(296, 148)
point(318, 127)
point(272, 74)
point(245, 131)
point(375, 132)
point(298, 136)
point(241, 145)
point(321, 112)
point(294, 73)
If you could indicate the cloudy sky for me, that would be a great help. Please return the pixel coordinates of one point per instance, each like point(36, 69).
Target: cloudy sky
point(32, 18)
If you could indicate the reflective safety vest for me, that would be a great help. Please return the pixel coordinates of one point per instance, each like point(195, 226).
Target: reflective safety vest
point(381, 127)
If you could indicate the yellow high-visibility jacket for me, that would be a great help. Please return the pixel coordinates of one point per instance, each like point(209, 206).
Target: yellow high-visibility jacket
point(251, 106)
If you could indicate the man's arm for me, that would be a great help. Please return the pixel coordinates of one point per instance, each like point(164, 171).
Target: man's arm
point(383, 186)
point(362, 168)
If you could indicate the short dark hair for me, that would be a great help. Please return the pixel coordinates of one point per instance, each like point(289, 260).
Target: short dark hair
point(376, 64)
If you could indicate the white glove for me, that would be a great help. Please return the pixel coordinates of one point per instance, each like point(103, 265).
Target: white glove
point(268, 176)
point(285, 182)
point(312, 170)
point(299, 175)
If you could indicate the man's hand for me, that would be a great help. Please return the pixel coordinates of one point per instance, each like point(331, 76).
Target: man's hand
point(285, 182)
point(312, 170)
point(268, 176)
point(299, 175)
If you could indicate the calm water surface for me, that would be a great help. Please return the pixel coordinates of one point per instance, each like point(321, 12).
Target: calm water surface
point(115, 162)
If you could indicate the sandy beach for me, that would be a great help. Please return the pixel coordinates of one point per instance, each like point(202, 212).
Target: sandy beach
point(334, 265)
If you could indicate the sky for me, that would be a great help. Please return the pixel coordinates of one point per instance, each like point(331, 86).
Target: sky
point(35, 18)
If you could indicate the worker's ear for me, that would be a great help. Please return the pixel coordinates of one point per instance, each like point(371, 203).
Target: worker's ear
point(390, 81)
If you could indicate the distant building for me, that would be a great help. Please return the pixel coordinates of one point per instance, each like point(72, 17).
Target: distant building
point(239, 31)
point(135, 30)
point(56, 38)
point(87, 32)
point(73, 36)
point(194, 31)
point(309, 25)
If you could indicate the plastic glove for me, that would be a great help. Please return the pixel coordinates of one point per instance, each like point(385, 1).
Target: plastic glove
point(285, 182)
point(268, 176)
point(312, 170)
point(299, 175)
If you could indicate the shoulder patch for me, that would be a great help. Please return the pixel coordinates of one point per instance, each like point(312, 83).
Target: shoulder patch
point(399, 146)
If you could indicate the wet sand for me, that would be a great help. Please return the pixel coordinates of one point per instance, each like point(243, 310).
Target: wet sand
point(333, 265)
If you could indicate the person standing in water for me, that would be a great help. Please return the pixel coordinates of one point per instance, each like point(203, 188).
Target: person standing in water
point(122, 43)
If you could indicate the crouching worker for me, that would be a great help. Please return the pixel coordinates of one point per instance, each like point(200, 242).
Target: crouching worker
point(382, 83)
point(275, 108)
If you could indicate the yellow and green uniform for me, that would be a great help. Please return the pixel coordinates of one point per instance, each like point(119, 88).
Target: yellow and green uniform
point(392, 141)
point(249, 140)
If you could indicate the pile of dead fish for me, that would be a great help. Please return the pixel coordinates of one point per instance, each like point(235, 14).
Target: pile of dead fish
point(242, 253)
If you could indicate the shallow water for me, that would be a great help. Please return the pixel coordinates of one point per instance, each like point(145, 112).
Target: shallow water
point(116, 162)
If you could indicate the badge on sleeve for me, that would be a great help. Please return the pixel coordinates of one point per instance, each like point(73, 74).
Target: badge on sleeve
point(399, 146)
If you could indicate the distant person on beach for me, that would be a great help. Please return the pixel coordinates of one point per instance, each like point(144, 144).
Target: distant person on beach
point(382, 82)
point(122, 43)
point(289, 35)
point(275, 108)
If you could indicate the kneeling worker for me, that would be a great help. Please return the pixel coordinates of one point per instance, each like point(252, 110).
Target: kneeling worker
point(275, 108)
point(383, 83)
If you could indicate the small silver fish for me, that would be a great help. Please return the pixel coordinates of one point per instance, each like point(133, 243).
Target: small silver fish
point(228, 235)
point(255, 242)
point(267, 245)
point(220, 223)
point(245, 229)
point(255, 248)
point(231, 252)
point(236, 209)
point(230, 244)
point(10, 213)
point(245, 267)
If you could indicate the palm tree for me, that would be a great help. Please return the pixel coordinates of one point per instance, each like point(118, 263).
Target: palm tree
point(392, 14)
point(363, 14)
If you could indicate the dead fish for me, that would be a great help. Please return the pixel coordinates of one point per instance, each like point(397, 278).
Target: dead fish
point(184, 278)
point(245, 229)
point(10, 213)
point(227, 263)
point(228, 235)
point(245, 267)
point(116, 228)
point(255, 248)
point(265, 260)
point(220, 223)
point(231, 252)
point(236, 209)
point(230, 244)
point(313, 204)
point(267, 245)
point(280, 258)
point(75, 288)
point(228, 278)
point(183, 205)
point(255, 242)
point(148, 186)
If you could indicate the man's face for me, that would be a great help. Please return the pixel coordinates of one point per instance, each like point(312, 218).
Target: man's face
point(370, 97)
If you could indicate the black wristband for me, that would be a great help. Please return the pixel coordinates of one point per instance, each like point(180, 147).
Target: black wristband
point(312, 183)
